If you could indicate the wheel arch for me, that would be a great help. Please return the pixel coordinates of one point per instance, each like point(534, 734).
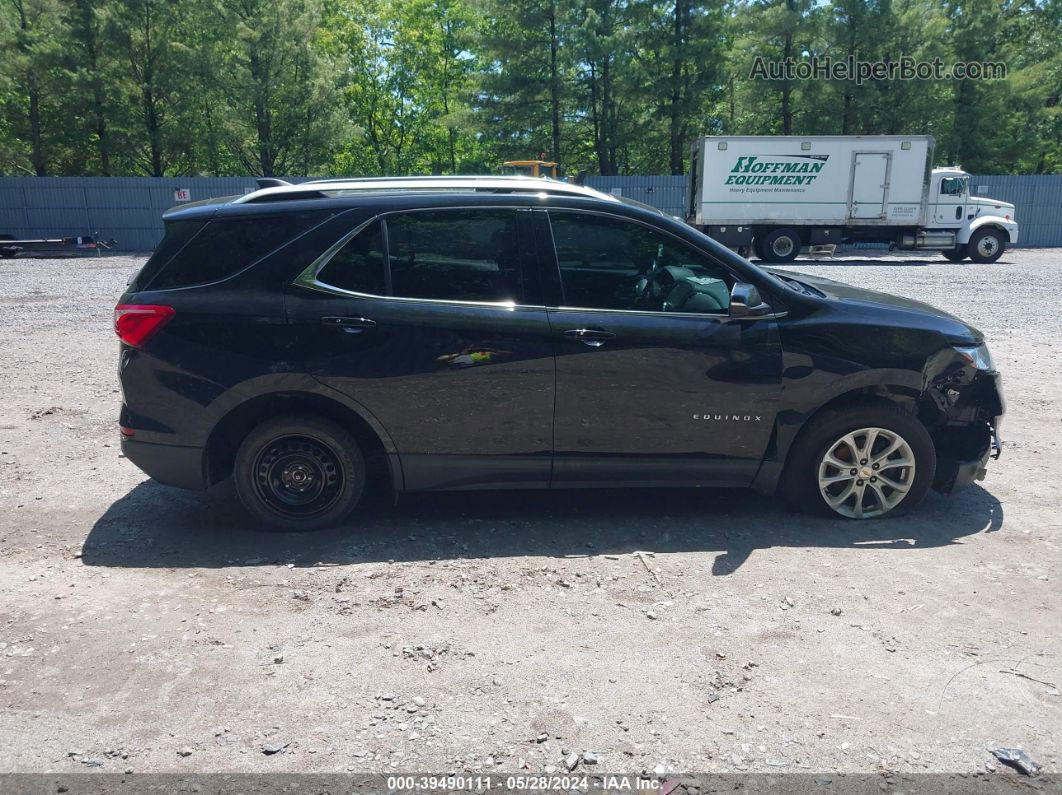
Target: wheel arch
point(988, 222)
point(238, 421)
point(892, 393)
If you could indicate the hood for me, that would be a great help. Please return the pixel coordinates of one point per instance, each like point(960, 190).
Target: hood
point(891, 308)
point(991, 206)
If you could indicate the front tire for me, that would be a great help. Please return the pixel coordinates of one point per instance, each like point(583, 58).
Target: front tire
point(299, 473)
point(986, 245)
point(780, 245)
point(861, 462)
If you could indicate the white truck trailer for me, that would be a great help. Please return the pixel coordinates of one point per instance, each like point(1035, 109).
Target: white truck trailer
point(774, 195)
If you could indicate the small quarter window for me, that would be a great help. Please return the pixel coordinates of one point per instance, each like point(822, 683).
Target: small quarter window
point(359, 265)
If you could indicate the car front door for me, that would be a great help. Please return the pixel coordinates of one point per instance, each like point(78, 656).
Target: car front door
point(419, 317)
point(656, 383)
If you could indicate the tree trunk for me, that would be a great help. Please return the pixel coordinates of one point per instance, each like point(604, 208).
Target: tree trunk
point(98, 107)
point(787, 88)
point(677, 63)
point(554, 85)
point(263, 117)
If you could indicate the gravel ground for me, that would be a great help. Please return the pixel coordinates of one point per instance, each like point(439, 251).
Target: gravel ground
point(148, 629)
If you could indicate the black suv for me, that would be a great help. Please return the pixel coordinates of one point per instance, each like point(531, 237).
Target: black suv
point(470, 333)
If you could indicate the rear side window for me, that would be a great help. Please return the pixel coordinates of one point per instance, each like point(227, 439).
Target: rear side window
point(455, 255)
point(444, 255)
point(219, 248)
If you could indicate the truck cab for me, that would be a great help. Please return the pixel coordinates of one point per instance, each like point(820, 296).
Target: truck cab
point(989, 224)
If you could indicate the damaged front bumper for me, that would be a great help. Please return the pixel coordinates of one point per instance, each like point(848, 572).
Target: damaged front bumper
point(971, 435)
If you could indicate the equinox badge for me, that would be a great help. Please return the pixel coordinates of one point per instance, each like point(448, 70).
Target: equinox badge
point(728, 417)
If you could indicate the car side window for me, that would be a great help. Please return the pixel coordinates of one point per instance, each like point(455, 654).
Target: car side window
point(359, 265)
point(612, 263)
point(455, 255)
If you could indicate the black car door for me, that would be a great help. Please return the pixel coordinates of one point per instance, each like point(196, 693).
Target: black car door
point(419, 317)
point(656, 384)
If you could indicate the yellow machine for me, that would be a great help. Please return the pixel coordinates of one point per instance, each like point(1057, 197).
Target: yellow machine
point(530, 168)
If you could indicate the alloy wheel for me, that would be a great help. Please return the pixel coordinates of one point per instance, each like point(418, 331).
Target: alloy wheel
point(866, 473)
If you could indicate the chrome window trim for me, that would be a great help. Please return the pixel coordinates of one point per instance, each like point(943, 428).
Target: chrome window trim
point(308, 277)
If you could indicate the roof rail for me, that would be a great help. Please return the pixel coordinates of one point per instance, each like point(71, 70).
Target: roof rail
point(331, 188)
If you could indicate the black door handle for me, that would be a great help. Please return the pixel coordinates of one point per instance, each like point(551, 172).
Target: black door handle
point(593, 337)
point(351, 325)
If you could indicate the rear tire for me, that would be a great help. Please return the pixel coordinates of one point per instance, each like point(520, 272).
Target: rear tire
point(957, 254)
point(986, 245)
point(780, 245)
point(299, 473)
point(873, 482)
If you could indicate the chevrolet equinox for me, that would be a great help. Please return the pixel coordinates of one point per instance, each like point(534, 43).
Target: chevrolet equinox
point(493, 332)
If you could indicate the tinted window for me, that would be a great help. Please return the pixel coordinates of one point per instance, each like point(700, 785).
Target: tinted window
point(178, 233)
point(609, 263)
point(359, 265)
point(223, 247)
point(456, 255)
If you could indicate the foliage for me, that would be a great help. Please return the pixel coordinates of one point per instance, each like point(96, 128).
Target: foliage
point(367, 87)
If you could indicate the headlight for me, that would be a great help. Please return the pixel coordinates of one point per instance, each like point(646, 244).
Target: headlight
point(977, 356)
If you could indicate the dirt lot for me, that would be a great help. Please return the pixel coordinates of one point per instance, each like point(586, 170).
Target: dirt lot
point(148, 629)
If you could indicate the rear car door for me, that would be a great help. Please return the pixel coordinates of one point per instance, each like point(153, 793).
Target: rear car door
point(656, 384)
point(420, 317)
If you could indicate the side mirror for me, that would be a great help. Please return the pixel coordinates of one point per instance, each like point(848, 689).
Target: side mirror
point(745, 301)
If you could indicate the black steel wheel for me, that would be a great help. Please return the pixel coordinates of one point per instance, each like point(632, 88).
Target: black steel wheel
point(299, 473)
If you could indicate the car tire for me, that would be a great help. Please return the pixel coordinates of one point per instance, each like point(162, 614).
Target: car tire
point(957, 254)
point(986, 246)
point(299, 473)
point(780, 245)
point(812, 483)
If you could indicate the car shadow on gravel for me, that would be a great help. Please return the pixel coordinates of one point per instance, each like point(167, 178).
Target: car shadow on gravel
point(155, 526)
point(871, 262)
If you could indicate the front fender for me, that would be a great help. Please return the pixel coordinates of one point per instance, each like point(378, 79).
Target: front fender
point(1010, 228)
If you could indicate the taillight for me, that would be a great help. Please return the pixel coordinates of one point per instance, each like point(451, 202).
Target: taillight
point(135, 324)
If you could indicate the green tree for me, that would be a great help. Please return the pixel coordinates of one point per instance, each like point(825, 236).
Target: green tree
point(279, 91)
point(32, 38)
point(153, 80)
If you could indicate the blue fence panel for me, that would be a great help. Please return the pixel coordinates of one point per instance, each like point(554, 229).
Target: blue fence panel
point(129, 209)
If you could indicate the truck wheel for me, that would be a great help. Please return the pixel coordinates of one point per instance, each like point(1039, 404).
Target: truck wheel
point(986, 245)
point(957, 254)
point(861, 462)
point(781, 245)
point(299, 473)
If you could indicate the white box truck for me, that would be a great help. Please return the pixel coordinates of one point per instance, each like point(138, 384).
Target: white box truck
point(772, 195)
